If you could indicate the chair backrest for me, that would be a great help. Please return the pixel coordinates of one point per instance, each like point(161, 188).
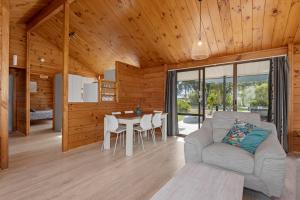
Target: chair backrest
point(146, 122)
point(128, 112)
point(112, 123)
point(157, 111)
point(156, 120)
point(116, 113)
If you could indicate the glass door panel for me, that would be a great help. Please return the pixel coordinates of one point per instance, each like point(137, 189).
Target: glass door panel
point(218, 89)
point(252, 87)
point(189, 100)
point(188, 92)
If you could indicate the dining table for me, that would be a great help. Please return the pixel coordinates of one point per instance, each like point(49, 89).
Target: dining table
point(130, 120)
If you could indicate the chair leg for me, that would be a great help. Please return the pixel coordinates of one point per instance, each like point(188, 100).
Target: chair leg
point(141, 136)
point(102, 146)
point(133, 137)
point(153, 135)
point(147, 135)
point(116, 144)
point(161, 132)
point(124, 139)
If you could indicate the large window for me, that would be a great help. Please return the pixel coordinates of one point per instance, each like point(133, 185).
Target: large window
point(241, 87)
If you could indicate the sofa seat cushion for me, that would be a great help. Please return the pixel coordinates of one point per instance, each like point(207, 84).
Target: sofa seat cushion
point(229, 157)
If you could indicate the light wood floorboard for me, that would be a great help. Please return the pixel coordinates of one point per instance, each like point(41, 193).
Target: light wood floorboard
point(39, 170)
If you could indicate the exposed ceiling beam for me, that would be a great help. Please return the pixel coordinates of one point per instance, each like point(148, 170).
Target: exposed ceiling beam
point(46, 13)
point(253, 55)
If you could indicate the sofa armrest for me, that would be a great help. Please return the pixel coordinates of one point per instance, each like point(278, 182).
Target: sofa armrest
point(270, 164)
point(195, 143)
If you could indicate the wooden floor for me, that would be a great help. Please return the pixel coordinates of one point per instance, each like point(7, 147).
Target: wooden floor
point(38, 170)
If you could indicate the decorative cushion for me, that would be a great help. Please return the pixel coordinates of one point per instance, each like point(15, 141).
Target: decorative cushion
point(229, 157)
point(223, 122)
point(246, 136)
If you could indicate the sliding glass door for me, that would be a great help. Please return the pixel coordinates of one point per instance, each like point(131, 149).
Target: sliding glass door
point(242, 87)
point(218, 89)
point(190, 110)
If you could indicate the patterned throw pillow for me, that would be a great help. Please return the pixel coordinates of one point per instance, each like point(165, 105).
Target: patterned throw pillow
point(246, 136)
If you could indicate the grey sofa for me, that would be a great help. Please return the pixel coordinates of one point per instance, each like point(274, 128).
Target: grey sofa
point(264, 171)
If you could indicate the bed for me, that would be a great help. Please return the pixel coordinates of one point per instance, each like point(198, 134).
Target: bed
point(41, 114)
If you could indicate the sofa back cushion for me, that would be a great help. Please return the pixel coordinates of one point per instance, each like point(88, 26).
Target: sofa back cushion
point(246, 136)
point(224, 121)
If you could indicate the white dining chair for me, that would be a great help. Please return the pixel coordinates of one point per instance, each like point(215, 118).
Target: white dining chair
point(114, 127)
point(157, 122)
point(123, 134)
point(144, 127)
point(116, 113)
point(128, 112)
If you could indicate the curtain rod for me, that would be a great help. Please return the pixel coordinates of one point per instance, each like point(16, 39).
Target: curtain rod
point(227, 63)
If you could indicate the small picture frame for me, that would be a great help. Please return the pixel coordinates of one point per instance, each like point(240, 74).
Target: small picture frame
point(33, 87)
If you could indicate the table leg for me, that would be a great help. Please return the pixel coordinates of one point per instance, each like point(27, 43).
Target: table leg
point(164, 129)
point(129, 139)
point(106, 139)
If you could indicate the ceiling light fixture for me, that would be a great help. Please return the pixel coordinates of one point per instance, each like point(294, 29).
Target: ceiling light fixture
point(200, 47)
point(199, 43)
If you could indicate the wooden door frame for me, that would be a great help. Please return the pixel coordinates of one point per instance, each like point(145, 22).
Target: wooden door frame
point(13, 73)
point(4, 82)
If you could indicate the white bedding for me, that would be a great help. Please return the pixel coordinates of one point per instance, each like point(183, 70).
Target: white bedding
point(41, 114)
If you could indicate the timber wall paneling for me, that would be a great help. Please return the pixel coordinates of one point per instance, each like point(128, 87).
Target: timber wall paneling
point(4, 73)
point(154, 80)
point(17, 44)
point(28, 66)
point(43, 98)
point(296, 100)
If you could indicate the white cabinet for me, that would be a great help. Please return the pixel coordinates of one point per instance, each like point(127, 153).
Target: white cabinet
point(90, 92)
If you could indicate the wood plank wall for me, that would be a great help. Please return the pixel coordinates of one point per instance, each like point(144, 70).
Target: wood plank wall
point(17, 44)
point(43, 98)
point(296, 100)
point(86, 119)
point(154, 80)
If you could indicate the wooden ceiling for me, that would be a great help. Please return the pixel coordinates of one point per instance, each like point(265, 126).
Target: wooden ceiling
point(23, 10)
point(148, 33)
